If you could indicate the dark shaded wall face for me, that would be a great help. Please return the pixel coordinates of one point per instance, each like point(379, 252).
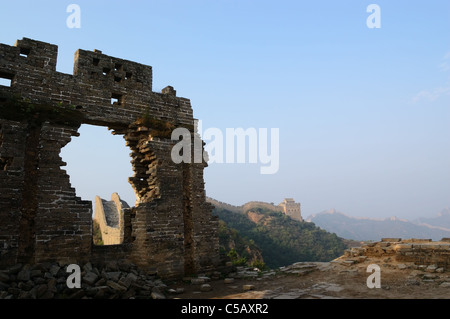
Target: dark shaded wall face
point(171, 230)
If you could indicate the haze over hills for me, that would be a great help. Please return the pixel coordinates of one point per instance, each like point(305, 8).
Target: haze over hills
point(365, 228)
point(360, 228)
point(441, 220)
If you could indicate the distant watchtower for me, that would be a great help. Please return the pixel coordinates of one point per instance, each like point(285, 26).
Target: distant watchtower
point(291, 208)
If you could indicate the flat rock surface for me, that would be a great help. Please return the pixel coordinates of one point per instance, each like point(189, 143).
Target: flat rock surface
point(338, 279)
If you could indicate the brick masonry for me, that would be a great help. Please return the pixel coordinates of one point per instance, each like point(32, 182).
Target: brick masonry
point(171, 230)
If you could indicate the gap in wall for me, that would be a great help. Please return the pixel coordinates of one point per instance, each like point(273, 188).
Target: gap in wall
point(99, 163)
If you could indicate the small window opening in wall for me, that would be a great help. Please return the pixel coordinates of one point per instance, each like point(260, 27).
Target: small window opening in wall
point(117, 79)
point(24, 52)
point(118, 67)
point(6, 79)
point(116, 99)
point(96, 61)
point(106, 71)
point(128, 75)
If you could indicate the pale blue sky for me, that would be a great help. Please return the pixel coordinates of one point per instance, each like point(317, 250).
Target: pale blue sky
point(363, 113)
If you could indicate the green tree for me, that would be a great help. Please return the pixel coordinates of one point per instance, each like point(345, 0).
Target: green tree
point(282, 240)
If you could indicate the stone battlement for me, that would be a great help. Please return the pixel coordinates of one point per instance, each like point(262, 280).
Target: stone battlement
point(106, 90)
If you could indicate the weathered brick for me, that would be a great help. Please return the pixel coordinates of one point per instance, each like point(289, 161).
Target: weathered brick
point(171, 230)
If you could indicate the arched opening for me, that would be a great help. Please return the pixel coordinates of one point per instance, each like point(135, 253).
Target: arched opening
point(99, 166)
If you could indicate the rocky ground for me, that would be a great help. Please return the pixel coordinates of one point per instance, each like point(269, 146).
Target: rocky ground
point(341, 278)
point(114, 280)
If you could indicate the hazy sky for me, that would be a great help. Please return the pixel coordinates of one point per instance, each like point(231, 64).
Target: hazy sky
point(363, 114)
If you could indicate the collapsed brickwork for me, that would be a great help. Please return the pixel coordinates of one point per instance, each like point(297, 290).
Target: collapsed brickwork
point(417, 251)
point(171, 230)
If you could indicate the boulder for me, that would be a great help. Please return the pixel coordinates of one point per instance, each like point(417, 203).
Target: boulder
point(205, 287)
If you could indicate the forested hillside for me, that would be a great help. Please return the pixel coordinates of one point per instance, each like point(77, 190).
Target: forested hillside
point(282, 240)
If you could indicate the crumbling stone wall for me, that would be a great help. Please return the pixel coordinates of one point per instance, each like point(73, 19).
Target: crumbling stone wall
point(288, 207)
point(417, 251)
point(262, 205)
point(170, 230)
point(110, 217)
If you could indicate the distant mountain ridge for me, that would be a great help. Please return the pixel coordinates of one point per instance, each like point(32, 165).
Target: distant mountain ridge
point(441, 220)
point(363, 228)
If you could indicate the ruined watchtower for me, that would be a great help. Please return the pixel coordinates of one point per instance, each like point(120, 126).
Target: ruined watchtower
point(171, 230)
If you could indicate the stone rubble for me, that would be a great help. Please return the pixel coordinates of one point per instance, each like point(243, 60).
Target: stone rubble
point(423, 266)
point(432, 255)
point(115, 280)
point(125, 280)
